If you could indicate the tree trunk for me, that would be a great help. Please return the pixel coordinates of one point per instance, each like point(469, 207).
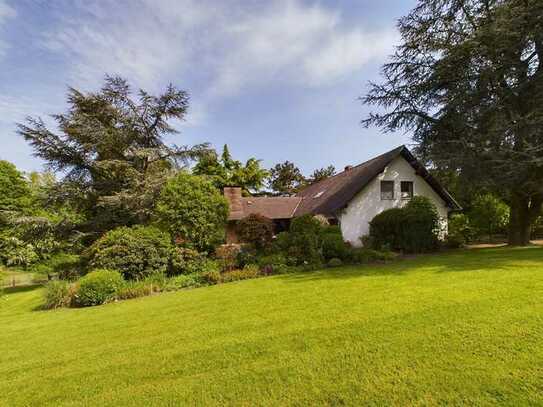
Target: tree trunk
point(524, 210)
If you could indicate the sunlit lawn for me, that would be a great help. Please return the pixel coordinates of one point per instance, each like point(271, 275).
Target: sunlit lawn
point(461, 328)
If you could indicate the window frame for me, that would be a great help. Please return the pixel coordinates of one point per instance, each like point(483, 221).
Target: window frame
point(411, 190)
point(383, 197)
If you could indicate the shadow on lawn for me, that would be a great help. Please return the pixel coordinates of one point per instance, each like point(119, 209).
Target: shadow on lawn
point(484, 260)
point(21, 288)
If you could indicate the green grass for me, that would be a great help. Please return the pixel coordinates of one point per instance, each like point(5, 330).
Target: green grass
point(461, 328)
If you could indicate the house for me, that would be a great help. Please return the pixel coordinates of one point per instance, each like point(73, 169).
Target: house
point(351, 198)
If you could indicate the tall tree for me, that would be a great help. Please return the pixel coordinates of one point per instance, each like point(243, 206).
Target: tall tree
point(321, 174)
point(225, 171)
point(15, 192)
point(467, 81)
point(111, 150)
point(286, 178)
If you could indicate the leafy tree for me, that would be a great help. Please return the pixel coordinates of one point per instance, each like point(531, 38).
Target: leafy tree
point(467, 81)
point(225, 171)
point(193, 210)
point(322, 173)
point(256, 229)
point(285, 178)
point(111, 150)
point(489, 214)
point(15, 193)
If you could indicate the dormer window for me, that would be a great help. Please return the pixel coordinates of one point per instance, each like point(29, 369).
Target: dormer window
point(406, 189)
point(387, 190)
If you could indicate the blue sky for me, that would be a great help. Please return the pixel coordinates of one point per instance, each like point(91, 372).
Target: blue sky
point(275, 79)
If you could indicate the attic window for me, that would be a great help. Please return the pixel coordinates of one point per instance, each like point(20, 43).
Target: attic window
point(319, 194)
point(406, 189)
point(387, 190)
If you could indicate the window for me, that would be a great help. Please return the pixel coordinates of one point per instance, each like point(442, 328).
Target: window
point(406, 189)
point(387, 190)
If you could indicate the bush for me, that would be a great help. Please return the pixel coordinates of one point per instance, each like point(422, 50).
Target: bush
point(333, 246)
point(363, 255)
point(413, 228)
point(98, 286)
point(246, 255)
point(183, 281)
point(58, 294)
point(227, 254)
point(136, 252)
point(210, 272)
point(335, 262)
point(186, 261)
point(305, 240)
point(134, 289)
point(193, 211)
point(250, 271)
point(65, 265)
point(255, 229)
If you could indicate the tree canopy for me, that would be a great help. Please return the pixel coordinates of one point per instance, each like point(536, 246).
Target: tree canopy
point(225, 171)
point(110, 150)
point(285, 178)
point(467, 81)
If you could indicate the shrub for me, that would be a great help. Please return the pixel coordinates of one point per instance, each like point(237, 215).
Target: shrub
point(335, 262)
point(58, 294)
point(134, 289)
point(413, 228)
point(183, 281)
point(193, 211)
point(186, 261)
point(250, 271)
point(363, 255)
point(305, 240)
point(136, 252)
point(97, 287)
point(210, 272)
point(227, 254)
point(333, 246)
point(255, 229)
point(246, 255)
point(65, 265)
point(460, 231)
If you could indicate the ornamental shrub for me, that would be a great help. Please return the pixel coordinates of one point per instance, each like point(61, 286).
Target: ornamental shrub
point(58, 294)
point(305, 240)
point(255, 229)
point(333, 246)
point(193, 211)
point(136, 251)
point(186, 261)
point(97, 287)
point(413, 228)
point(249, 271)
point(227, 255)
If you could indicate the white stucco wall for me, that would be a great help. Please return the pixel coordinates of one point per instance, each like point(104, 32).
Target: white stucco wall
point(355, 218)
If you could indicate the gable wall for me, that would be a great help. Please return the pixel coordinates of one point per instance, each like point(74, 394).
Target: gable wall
point(355, 218)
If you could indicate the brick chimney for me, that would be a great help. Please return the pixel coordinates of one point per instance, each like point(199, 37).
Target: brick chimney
point(233, 195)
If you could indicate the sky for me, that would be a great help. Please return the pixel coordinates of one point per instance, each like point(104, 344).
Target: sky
point(274, 79)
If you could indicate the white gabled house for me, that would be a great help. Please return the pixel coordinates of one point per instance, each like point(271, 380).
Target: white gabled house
point(351, 198)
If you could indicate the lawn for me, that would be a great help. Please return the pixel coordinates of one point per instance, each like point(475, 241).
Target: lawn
point(460, 328)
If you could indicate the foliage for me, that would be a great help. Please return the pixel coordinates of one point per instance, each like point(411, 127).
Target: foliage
point(305, 240)
point(15, 193)
point(249, 271)
point(111, 150)
point(323, 220)
point(413, 228)
point(98, 287)
point(64, 265)
point(183, 281)
point(255, 229)
point(247, 255)
point(58, 294)
point(285, 179)
point(460, 231)
point(16, 252)
point(225, 171)
point(489, 215)
point(193, 211)
point(185, 260)
point(335, 262)
point(466, 81)
point(135, 252)
point(321, 174)
point(364, 255)
point(227, 254)
point(333, 245)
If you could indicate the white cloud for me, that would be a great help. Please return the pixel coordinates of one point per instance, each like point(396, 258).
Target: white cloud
point(225, 47)
point(6, 13)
